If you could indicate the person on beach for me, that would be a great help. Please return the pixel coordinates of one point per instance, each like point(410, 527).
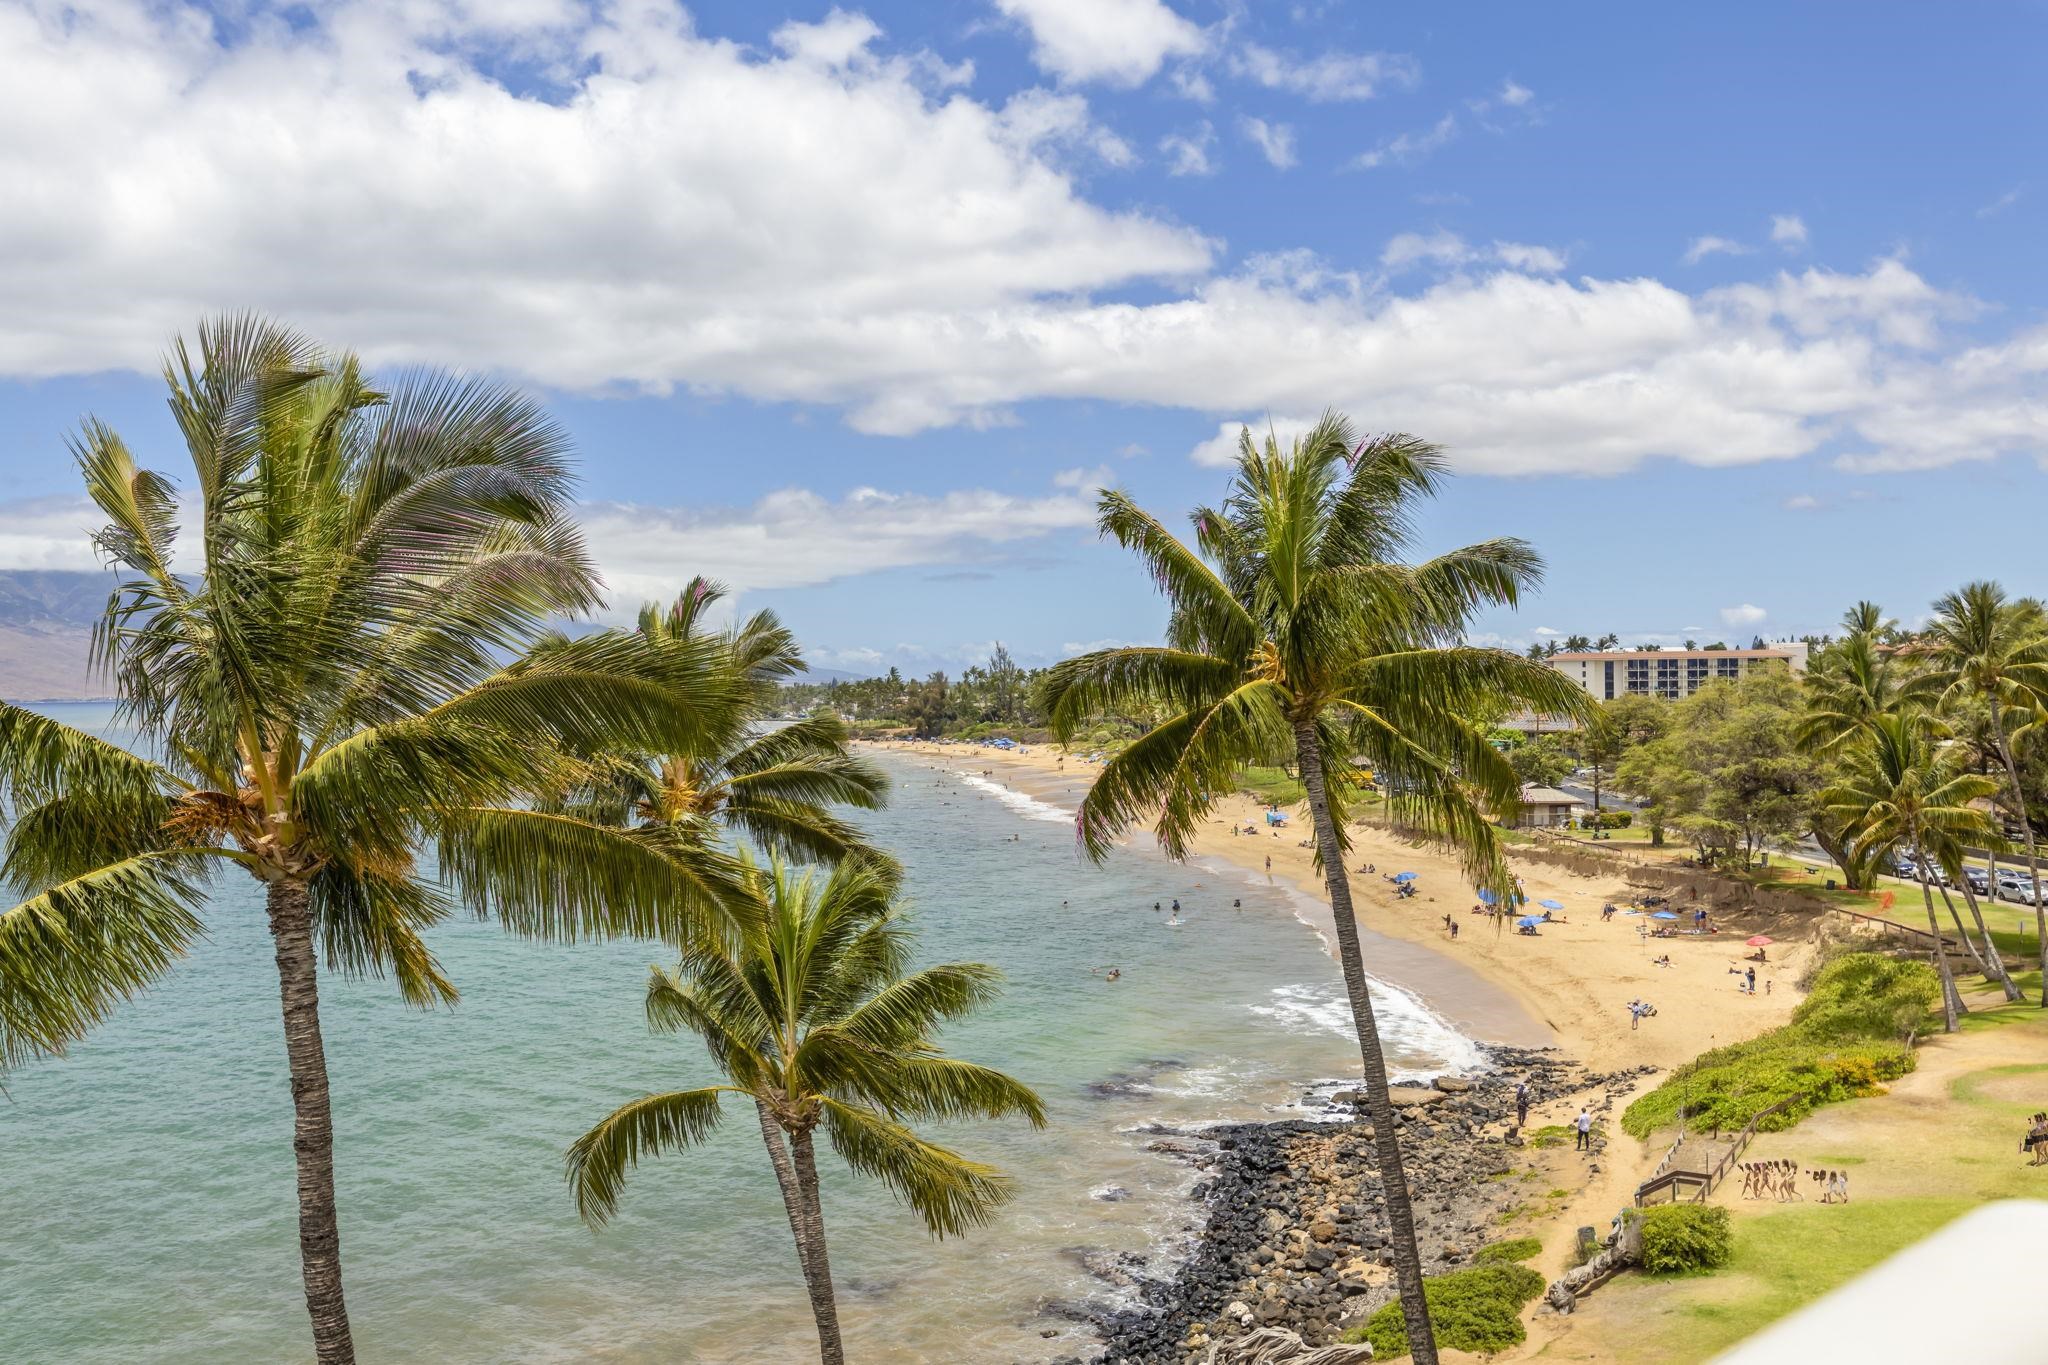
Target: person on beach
point(2037, 1140)
point(1752, 981)
point(1521, 1104)
point(1584, 1123)
point(1269, 862)
point(1454, 931)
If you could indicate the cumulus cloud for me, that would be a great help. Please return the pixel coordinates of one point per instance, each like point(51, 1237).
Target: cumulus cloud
point(1449, 249)
point(1118, 42)
point(1748, 614)
point(1086, 479)
point(1275, 141)
point(671, 209)
point(1514, 95)
point(1187, 152)
point(1327, 76)
point(1406, 149)
point(1703, 247)
point(1788, 230)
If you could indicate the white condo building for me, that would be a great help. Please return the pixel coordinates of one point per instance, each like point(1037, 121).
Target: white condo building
point(1669, 673)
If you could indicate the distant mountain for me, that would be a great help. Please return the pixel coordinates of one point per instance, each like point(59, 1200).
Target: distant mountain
point(46, 634)
point(828, 675)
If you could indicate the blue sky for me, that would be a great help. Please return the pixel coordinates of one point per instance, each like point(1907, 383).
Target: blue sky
point(1736, 313)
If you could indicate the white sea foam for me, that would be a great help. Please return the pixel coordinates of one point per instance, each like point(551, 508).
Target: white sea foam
point(1408, 1027)
point(1030, 807)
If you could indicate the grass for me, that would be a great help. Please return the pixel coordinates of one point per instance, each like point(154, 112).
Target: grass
point(1781, 1261)
point(1273, 785)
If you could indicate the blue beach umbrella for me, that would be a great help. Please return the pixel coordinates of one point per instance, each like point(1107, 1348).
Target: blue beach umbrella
point(1487, 897)
point(1551, 905)
point(1404, 876)
point(1525, 921)
point(1663, 914)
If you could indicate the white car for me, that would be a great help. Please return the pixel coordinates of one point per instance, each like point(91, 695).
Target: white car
point(2021, 890)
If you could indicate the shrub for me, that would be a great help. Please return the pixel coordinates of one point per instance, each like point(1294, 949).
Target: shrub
point(1479, 1309)
point(1843, 1043)
point(1513, 1249)
point(1684, 1238)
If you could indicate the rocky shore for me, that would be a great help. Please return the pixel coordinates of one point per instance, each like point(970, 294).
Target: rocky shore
point(1296, 1229)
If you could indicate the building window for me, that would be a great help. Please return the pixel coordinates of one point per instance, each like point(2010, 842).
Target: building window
point(1610, 680)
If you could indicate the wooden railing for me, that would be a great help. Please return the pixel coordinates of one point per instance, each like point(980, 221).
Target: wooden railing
point(1703, 1183)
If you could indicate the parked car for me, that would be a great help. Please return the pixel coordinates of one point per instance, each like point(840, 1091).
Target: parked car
point(2021, 891)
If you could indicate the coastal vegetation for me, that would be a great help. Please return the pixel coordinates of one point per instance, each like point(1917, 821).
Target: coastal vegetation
point(1852, 1033)
point(1477, 1309)
point(348, 660)
point(1296, 630)
point(1686, 1239)
point(813, 1019)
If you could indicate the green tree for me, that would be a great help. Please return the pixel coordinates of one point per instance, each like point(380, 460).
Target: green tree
point(1295, 627)
point(1540, 759)
point(1610, 733)
point(811, 1017)
point(323, 678)
point(1904, 792)
point(1727, 772)
point(1985, 646)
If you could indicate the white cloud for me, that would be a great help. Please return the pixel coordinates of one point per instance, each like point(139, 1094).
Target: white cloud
point(1274, 140)
point(1187, 153)
point(1703, 247)
point(1802, 502)
point(49, 533)
point(1120, 42)
point(1327, 76)
point(1788, 230)
point(1406, 149)
point(1039, 119)
point(1748, 614)
point(1085, 480)
point(2002, 202)
point(1449, 249)
point(1514, 95)
point(675, 210)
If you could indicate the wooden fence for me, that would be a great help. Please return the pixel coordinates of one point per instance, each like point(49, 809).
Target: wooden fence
point(1702, 1183)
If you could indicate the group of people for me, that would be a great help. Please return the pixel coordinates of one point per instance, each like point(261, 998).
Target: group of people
point(1780, 1180)
point(1748, 983)
point(2036, 1140)
point(1639, 1010)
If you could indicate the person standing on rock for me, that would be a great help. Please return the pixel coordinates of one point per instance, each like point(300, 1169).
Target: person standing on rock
point(1584, 1123)
point(1521, 1104)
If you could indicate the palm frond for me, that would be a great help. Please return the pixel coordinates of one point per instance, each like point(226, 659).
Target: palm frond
point(949, 1192)
point(599, 1161)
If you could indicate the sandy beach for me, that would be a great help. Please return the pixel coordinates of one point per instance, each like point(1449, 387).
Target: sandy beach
point(1573, 980)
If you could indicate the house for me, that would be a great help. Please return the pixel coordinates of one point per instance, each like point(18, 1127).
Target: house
point(1545, 807)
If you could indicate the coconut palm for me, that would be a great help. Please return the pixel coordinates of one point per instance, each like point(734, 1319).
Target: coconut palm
point(1902, 790)
point(1296, 631)
point(321, 682)
point(811, 1017)
point(1985, 646)
point(772, 786)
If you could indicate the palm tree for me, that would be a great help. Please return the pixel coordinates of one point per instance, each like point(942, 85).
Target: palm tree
point(323, 682)
point(1984, 646)
point(771, 785)
point(1902, 790)
point(1608, 641)
point(810, 1016)
point(1300, 633)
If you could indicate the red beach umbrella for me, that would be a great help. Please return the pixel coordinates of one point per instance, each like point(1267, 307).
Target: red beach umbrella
point(1760, 940)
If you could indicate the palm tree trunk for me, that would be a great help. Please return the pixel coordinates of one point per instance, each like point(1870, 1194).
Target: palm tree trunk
point(1962, 933)
point(1951, 1002)
point(785, 1180)
point(291, 927)
point(2019, 807)
point(2004, 977)
point(1378, 1105)
point(818, 1270)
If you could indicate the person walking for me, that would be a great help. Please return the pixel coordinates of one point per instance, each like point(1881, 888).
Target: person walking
point(1752, 981)
point(1584, 1123)
point(1521, 1104)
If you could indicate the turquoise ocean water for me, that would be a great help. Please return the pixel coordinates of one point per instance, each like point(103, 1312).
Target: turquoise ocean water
point(146, 1188)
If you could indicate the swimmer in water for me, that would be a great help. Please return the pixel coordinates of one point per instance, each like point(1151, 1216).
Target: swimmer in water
point(1236, 904)
point(1176, 905)
point(1115, 972)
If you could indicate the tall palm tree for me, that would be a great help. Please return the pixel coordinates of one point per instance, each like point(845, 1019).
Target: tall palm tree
point(1296, 629)
point(1986, 646)
point(321, 678)
point(811, 1016)
point(1902, 790)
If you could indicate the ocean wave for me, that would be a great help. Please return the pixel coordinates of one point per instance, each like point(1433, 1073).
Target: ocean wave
point(1419, 1043)
point(1030, 807)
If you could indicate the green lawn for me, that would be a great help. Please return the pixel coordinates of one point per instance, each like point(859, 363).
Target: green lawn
point(1273, 784)
point(1783, 1261)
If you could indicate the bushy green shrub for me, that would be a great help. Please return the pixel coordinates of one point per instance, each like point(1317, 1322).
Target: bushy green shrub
point(1845, 1040)
point(1681, 1238)
point(1513, 1249)
point(1610, 819)
point(1479, 1309)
